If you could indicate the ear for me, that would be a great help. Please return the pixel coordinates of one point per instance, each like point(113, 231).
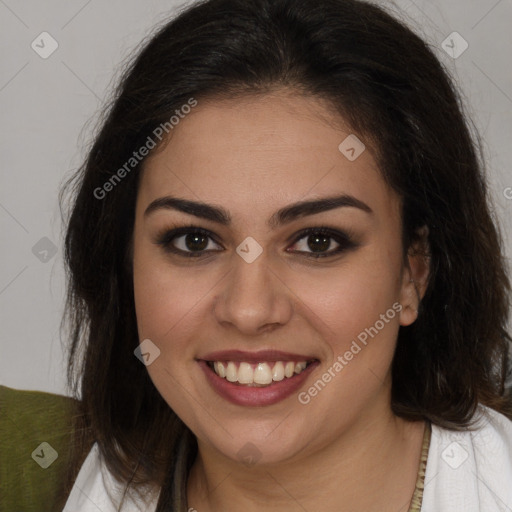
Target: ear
point(415, 276)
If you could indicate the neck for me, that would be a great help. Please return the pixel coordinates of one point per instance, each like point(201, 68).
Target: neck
point(371, 466)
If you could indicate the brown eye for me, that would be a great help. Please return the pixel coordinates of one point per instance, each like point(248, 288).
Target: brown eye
point(188, 241)
point(319, 243)
point(322, 242)
point(194, 242)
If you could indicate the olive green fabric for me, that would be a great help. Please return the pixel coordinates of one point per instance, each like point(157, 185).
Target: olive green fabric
point(27, 419)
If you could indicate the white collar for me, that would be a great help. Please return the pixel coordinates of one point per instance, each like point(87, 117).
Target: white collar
point(470, 471)
point(95, 489)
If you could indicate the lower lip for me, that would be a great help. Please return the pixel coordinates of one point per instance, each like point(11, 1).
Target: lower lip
point(255, 396)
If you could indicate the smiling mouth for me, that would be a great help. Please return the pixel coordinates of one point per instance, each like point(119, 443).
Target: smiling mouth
point(261, 374)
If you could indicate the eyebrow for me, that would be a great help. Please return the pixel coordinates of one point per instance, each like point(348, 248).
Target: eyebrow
point(283, 216)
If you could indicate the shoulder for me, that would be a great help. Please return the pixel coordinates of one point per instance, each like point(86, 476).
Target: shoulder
point(96, 489)
point(470, 470)
point(36, 428)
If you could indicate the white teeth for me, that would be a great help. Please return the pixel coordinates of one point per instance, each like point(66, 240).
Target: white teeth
point(245, 373)
point(299, 367)
point(289, 369)
point(278, 371)
point(220, 369)
point(231, 372)
point(261, 374)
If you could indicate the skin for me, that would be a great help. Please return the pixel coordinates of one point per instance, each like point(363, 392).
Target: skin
point(344, 450)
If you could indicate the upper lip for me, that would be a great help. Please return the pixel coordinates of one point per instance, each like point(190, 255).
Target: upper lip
point(255, 357)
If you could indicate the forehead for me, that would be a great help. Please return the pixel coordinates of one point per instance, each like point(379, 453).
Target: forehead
point(258, 150)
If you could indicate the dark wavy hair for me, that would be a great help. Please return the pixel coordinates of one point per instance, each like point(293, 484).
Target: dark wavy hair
point(394, 93)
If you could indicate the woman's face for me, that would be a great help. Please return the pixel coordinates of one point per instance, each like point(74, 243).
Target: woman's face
point(248, 293)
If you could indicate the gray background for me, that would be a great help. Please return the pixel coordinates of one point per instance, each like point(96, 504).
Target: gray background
point(49, 108)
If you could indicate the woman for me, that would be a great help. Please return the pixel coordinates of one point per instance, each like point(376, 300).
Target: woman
point(286, 286)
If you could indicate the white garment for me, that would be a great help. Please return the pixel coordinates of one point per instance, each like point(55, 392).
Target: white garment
point(96, 490)
point(468, 471)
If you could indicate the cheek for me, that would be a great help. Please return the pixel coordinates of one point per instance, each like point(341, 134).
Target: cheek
point(167, 313)
point(345, 302)
point(357, 315)
point(167, 299)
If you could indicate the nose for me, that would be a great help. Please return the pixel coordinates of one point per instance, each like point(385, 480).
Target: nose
point(253, 299)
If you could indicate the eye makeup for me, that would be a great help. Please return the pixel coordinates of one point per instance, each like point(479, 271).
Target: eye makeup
point(194, 235)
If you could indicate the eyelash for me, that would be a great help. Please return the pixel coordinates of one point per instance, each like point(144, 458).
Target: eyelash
point(345, 241)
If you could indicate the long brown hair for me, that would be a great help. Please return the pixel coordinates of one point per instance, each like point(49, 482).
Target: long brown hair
point(392, 90)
